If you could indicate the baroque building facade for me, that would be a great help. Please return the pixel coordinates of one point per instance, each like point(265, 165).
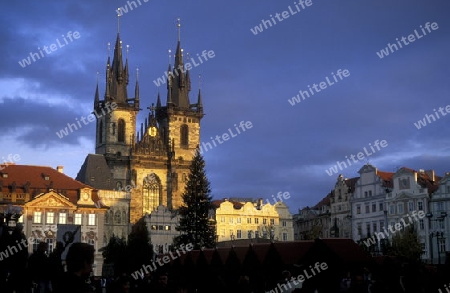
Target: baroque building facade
point(340, 207)
point(48, 199)
point(151, 163)
point(249, 219)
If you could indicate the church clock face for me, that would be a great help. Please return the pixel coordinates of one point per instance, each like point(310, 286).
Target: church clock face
point(152, 131)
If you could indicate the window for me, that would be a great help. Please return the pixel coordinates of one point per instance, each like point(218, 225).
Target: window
point(77, 219)
point(441, 244)
point(358, 209)
point(368, 229)
point(440, 206)
point(184, 136)
point(375, 227)
point(154, 227)
point(231, 220)
point(249, 234)
point(391, 209)
point(359, 228)
point(370, 192)
point(421, 224)
point(380, 207)
point(50, 244)
point(239, 234)
point(239, 220)
point(381, 225)
point(100, 132)
point(167, 228)
point(50, 218)
point(62, 218)
point(285, 236)
point(400, 208)
point(420, 205)
point(37, 217)
point(374, 208)
point(249, 220)
point(367, 209)
point(264, 221)
point(91, 220)
point(410, 206)
point(36, 242)
point(365, 194)
point(160, 227)
point(222, 219)
point(272, 221)
point(20, 219)
point(256, 221)
point(121, 131)
point(284, 223)
point(256, 234)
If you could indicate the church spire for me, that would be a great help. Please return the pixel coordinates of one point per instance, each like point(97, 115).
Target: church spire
point(136, 90)
point(158, 101)
point(96, 97)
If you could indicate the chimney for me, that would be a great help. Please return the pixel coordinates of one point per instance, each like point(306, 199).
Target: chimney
point(60, 169)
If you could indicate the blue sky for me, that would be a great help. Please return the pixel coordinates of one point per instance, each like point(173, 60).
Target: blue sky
point(250, 78)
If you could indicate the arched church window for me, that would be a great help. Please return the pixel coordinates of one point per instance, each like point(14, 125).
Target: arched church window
point(151, 189)
point(117, 218)
point(184, 136)
point(100, 132)
point(121, 131)
point(124, 217)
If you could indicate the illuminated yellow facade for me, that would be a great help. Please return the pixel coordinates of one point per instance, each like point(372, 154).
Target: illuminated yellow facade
point(249, 219)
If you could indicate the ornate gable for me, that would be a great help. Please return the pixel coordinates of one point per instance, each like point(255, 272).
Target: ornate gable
point(50, 199)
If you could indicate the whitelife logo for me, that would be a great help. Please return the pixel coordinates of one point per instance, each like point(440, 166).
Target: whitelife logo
point(398, 226)
point(52, 47)
point(423, 123)
point(411, 38)
point(360, 155)
point(323, 85)
point(285, 14)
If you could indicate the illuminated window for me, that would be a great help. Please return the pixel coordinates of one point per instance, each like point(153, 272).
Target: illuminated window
point(91, 220)
point(77, 219)
point(50, 218)
point(151, 193)
point(37, 217)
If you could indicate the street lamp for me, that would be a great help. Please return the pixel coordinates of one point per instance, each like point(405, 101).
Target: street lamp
point(439, 234)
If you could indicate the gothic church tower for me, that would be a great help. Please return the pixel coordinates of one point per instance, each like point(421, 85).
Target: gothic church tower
point(155, 160)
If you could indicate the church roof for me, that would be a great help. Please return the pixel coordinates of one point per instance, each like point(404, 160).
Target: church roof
point(96, 173)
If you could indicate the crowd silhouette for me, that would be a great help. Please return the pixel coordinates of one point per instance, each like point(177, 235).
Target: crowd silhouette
point(43, 272)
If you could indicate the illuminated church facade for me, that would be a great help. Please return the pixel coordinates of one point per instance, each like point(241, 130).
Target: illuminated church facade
point(151, 162)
